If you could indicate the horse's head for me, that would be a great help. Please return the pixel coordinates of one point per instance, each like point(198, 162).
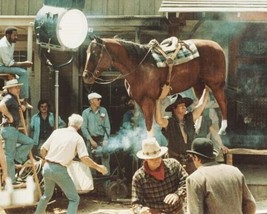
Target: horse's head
point(98, 60)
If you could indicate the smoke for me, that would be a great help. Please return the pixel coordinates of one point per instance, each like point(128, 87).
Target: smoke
point(131, 134)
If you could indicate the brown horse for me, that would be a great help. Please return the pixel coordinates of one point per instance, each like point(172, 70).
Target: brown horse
point(145, 79)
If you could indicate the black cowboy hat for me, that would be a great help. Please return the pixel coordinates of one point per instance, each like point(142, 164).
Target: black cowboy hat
point(203, 147)
point(187, 101)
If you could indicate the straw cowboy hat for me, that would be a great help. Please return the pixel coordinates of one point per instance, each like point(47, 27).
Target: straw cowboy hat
point(179, 100)
point(94, 95)
point(12, 83)
point(151, 149)
point(203, 147)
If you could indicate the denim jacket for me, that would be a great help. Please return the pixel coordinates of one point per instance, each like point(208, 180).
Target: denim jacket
point(35, 125)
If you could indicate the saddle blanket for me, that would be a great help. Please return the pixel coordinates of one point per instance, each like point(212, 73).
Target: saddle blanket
point(184, 55)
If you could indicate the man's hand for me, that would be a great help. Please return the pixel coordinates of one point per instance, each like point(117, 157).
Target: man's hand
point(93, 144)
point(102, 169)
point(27, 64)
point(165, 91)
point(224, 149)
point(144, 210)
point(171, 198)
point(10, 119)
point(23, 107)
point(4, 177)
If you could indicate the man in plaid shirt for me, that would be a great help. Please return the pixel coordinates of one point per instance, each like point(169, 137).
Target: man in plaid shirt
point(159, 186)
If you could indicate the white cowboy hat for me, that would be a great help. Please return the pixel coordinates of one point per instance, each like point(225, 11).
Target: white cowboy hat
point(94, 95)
point(151, 149)
point(12, 83)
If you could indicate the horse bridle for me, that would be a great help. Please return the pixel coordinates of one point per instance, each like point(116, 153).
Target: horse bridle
point(120, 76)
point(98, 79)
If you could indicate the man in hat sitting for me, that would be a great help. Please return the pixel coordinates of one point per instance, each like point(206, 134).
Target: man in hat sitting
point(159, 185)
point(9, 107)
point(213, 187)
point(179, 129)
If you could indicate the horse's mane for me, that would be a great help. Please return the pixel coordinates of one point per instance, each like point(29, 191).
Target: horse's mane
point(136, 51)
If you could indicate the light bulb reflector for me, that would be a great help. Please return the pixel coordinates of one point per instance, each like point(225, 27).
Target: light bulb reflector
point(72, 29)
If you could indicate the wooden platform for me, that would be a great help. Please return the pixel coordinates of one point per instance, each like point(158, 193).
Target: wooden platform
point(255, 174)
point(242, 151)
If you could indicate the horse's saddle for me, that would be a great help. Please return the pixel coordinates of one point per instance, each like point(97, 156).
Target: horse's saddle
point(172, 51)
point(169, 44)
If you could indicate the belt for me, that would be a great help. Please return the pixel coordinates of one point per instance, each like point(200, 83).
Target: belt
point(48, 161)
point(98, 139)
point(9, 125)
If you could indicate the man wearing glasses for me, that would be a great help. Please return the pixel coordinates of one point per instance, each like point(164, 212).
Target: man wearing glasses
point(96, 129)
point(42, 125)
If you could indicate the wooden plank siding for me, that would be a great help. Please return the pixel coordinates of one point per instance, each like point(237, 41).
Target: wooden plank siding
point(8, 7)
point(213, 6)
point(34, 6)
point(21, 7)
point(92, 7)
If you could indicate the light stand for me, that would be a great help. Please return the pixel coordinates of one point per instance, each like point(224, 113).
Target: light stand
point(55, 68)
point(60, 29)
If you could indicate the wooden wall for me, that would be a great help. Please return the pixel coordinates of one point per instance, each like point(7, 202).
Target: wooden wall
point(92, 7)
point(20, 7)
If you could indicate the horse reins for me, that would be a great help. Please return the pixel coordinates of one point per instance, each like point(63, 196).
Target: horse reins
point(120, 76)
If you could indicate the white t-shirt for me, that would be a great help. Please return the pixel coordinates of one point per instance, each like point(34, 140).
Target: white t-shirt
point(63, 145)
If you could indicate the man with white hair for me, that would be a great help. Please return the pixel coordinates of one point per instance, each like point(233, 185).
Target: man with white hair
point(96, 128)
point(58, 151)
point(159, 185)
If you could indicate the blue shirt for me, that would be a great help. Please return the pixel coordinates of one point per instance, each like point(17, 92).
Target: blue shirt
point(95, 123)
point(35, 125)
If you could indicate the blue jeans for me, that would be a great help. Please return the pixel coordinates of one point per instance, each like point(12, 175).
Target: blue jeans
point(17, 147)
point(56, 174)
point(23, 78)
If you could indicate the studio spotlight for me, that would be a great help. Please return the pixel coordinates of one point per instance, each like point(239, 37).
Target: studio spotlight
point(60, 28)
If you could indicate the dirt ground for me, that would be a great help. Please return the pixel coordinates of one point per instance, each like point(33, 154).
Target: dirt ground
point(90, 203)
point(94, 203)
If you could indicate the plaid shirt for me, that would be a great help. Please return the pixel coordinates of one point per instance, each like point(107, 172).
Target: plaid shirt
point(149, 192)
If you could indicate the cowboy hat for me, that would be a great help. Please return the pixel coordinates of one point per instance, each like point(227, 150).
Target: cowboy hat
point(94, 95)
point(12, 83)
point(187, 101)
point(151, 149)
point(203, 147)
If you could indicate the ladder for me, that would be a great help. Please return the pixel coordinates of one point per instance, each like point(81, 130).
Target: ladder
point(31, 164)
point(23, 129)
